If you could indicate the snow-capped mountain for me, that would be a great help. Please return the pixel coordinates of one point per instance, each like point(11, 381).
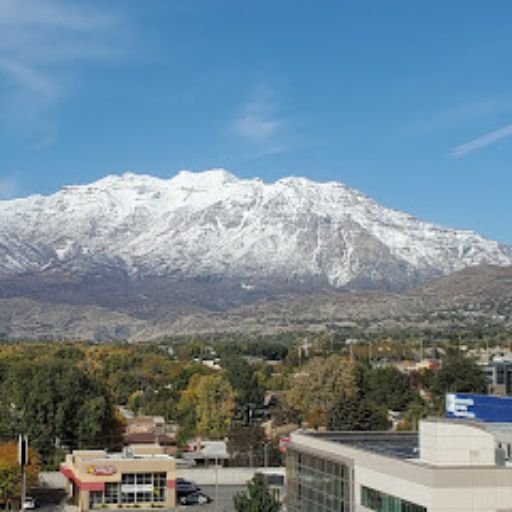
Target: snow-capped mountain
point(211, 224)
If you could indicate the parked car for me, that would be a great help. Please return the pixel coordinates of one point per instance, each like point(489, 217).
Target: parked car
point(195, 498)
point(30, 503)
point(185, 487)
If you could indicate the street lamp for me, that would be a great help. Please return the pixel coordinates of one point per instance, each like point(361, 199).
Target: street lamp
point(216, 484)
point(211, 452)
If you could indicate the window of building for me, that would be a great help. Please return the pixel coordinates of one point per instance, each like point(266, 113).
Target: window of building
point(144, 478)
point(137, 488)
point(381, 502)
point(128, 478)
point(159, 486)
point(112, 492)
point(95, 498)
point(500, 374)
point(508, 379)
point(143, 497)
point(316, 484)
point(127, 497)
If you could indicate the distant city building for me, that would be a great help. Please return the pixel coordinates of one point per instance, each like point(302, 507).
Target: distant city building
point(499, 375)
point(206, 453)
point(455, 465)
point(150, 430)
point(136, 477)
point(213, 364)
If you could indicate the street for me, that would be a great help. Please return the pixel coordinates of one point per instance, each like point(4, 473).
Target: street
point(50, 499)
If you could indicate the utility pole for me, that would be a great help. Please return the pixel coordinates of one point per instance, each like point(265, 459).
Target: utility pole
point(216, 484)
point(23, 461)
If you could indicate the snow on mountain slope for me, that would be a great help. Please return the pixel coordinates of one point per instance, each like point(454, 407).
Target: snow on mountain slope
point(213, 224)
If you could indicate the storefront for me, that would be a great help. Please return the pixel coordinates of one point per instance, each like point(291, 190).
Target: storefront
point(136, 478)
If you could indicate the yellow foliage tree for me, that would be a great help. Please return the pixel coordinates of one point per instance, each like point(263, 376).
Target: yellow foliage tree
point(318, 385)
point(207, 406)
point(215, 406)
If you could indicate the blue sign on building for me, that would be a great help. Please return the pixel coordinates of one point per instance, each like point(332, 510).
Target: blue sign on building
point(490, 409)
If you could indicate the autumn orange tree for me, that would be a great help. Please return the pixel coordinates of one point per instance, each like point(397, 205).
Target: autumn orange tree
point(10, 476)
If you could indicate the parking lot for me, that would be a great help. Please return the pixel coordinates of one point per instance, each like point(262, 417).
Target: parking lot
point(53, 500)
point(51, 495)
point(225, 499)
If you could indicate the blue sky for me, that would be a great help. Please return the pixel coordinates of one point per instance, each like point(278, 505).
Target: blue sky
point(408, 101)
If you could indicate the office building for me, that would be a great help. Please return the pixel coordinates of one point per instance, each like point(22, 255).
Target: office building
point(499, 375)
point(449, 466)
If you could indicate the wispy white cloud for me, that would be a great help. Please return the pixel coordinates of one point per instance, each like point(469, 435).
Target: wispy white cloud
point(29, 78)
point(40, 43)
point(53, 13)
point(448, 118)
point(258, 121)
point(481, 142)
point(8, 188)
point(261, 125)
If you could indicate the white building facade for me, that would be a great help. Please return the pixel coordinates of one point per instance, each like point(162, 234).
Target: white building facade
point(451, 466)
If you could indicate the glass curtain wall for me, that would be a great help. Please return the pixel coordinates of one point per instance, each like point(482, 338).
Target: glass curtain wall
point(381, 502)
point(316, 484)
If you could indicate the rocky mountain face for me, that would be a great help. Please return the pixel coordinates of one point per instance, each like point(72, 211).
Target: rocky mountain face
point(213, 225)
point(138, 254)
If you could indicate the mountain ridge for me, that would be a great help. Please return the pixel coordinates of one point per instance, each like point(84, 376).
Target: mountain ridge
point(137, 257)
point(214, 224)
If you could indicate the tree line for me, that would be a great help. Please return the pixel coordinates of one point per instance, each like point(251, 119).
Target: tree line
point(64, 396)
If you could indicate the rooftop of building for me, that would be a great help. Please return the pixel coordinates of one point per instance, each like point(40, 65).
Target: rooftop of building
point(402, 445)
point(135, 452)
point(201, 449)
point(470, 442)
point(148, 438)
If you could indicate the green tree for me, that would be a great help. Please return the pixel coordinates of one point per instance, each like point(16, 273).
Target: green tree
point(352, 413)
point(246, 444)
point(258, 498)
point(413, 415)
point(458, 374)
point(390, 387)
point(53, 401)
point(242, 378)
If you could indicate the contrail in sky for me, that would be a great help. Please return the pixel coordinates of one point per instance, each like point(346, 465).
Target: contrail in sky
point(481, 142)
